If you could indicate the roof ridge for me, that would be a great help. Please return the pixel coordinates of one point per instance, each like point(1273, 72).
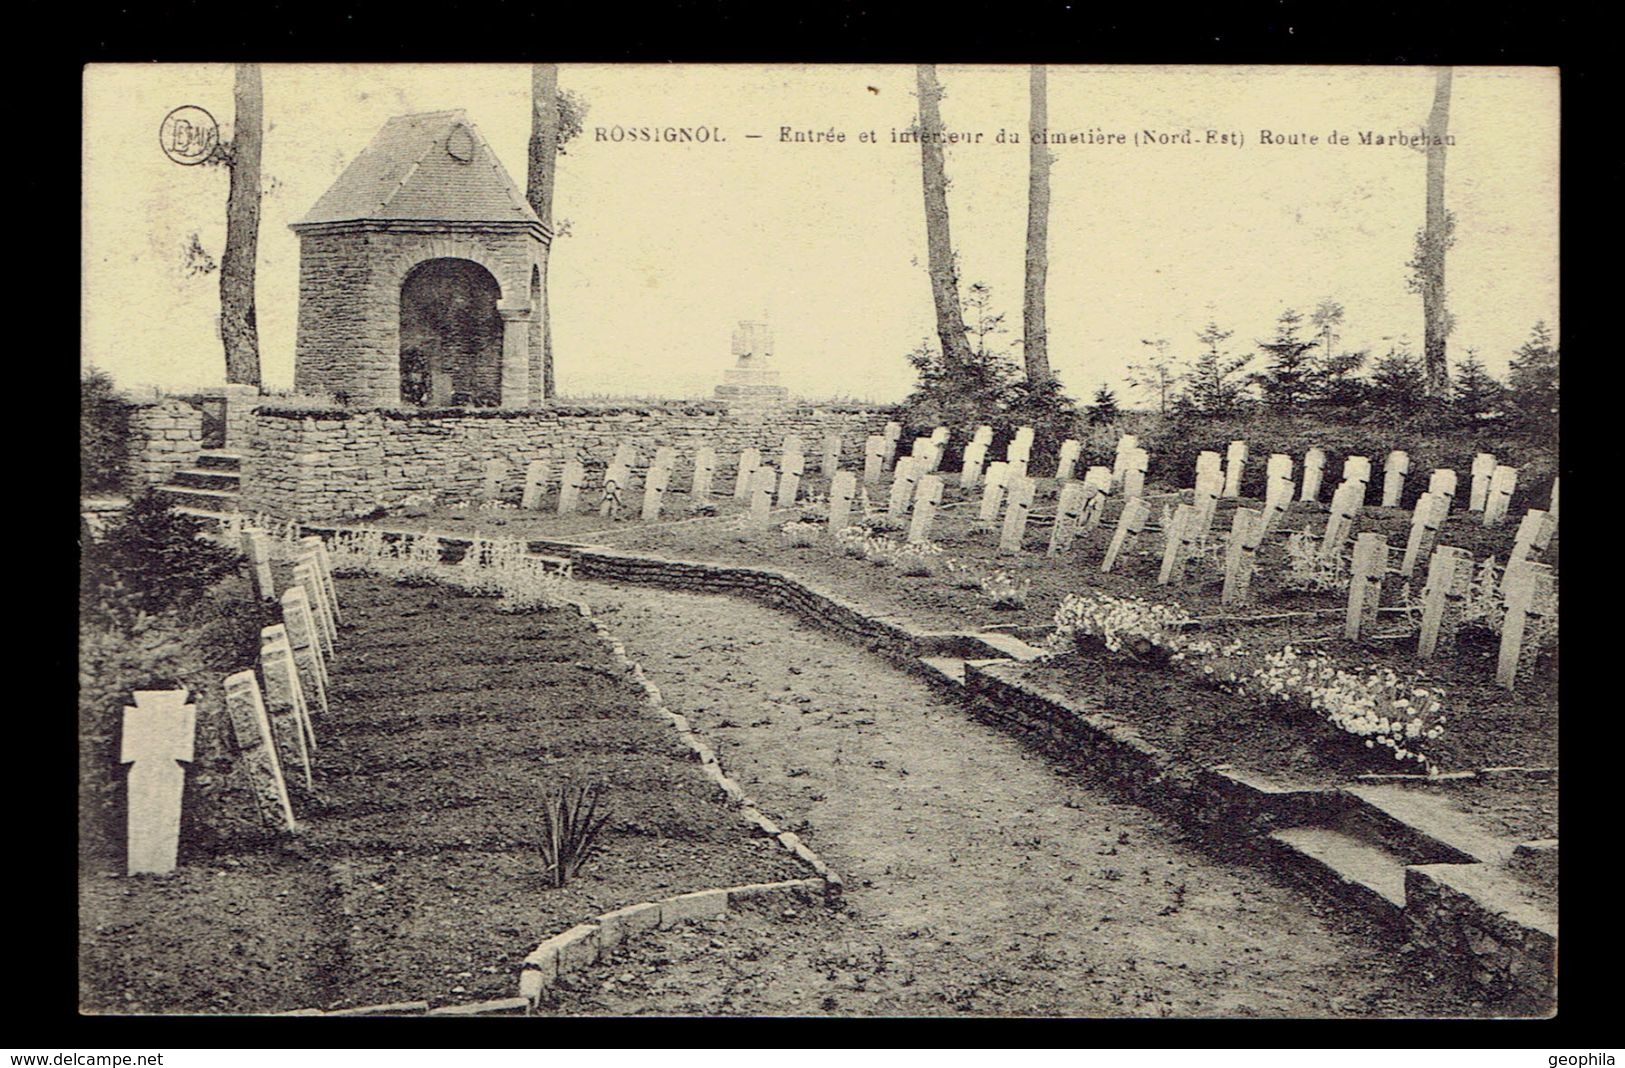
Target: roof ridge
point(425, 114)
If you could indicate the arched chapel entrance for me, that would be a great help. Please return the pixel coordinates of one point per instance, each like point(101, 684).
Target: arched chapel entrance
point(451, 335)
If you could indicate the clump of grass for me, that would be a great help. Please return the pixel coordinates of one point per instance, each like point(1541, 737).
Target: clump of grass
point(571, 825)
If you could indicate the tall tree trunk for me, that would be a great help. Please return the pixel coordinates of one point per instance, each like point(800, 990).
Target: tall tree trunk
point(238, 329)
point(1035, 333)
point(1435, 317)
point(543, 162)
point(956, 350)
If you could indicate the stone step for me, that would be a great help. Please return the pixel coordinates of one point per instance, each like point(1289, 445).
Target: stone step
point(218, 518)
point(949, 669)
point(1432, 817)
point(209, 500)
point(220, 459)
point(1360, 871)
point(207, 478)
point(1010, 645)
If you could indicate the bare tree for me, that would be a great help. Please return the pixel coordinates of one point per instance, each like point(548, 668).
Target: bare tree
point(543, 164)
point(1432, 243)
point(239, 331)
point(939, 247)
point(1035, 331)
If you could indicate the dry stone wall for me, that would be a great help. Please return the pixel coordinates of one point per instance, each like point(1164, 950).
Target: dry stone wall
point(164, 438)
point(336, 464)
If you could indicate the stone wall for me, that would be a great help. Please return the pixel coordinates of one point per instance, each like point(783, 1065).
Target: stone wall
point(332, 464)
point(164, 438)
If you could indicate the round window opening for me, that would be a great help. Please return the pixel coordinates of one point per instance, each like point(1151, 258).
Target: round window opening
point(460, 145)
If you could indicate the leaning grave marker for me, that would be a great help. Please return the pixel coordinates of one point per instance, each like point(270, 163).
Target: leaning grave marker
point(257, 750)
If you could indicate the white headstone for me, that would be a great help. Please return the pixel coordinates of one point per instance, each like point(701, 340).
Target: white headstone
point(1426, 519)
point(256, 749)
point(536, 475)
point(1241, 554)
point(1068, 459)
point(1177, 549)
point(1210, 463)
point(654, 491)
point(307, 652)
point(926, 499)
point(1529, 532)
point(495, 470)
point(617, 481)
point(258, 550)
point(1483, 467)
point(1442, 483)
point(1235, 459)
point(763, 482)
point(571, 483)
point(159, 730)
point(317, 548)
point(705, 469)
point(790, 479)
point(1551, 508)
point(998, 473)
point(745, 477)
point(874, 458)
point(1068, 511)
point(1394, 471)
point(831, 460)
point(285, 702)
point(1129, 526)
point(1015, 516)
point(970, 472)
point(1528, 595)
point(1314, 468)
point(1277, 502)
point(665, 456)
point(304, 575)
point(1279, 465)
point(1134, 472)
point(1126, 444)
point(626, 454)
point(1502, 482)
point(904, 481)
point(1340, 520)
point(841, 489)
point(1365, 583)
point(1449, 572)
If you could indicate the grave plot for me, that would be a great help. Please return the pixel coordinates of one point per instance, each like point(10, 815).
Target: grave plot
point(416, 874)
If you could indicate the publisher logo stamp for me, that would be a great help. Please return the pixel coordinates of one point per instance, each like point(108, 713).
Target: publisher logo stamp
point(189, 135)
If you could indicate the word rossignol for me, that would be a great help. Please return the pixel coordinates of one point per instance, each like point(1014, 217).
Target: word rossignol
point(671, 134)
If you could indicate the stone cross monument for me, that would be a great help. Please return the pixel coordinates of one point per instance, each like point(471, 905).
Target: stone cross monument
point(751, 387)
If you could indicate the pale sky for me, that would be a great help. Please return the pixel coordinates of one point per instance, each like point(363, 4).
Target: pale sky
point(670, 245)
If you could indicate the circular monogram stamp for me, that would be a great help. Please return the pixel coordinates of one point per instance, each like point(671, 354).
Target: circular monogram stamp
point(189, 135)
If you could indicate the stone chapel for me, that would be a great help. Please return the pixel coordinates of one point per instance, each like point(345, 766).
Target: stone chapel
point(420, 276)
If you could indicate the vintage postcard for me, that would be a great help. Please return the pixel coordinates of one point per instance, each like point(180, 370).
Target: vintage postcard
point(819, 540)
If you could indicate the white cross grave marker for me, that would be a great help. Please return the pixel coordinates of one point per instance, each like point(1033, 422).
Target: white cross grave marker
point(654, 491)
point(970, 472)
point(285, 701)
point(1068, 459)
point(159, 730)
point(790, 479)
point(705, 469)
point(258, 550)
point(874, 458)
point(1529, 594)
point(1068, 510)
point(1241, 554)
point(904, 480)
point(1502, 482)
point(998, 473)
point(1365, 583)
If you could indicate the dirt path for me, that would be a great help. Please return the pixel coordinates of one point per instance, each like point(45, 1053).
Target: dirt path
point(981, 876)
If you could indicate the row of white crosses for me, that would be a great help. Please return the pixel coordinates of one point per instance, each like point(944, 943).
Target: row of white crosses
point(272, 725)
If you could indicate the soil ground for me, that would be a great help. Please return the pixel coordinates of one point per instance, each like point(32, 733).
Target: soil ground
point(982, 877)
point(416, 875)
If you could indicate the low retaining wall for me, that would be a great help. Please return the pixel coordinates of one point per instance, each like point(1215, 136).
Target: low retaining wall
point(163, 438)
point(329, 464)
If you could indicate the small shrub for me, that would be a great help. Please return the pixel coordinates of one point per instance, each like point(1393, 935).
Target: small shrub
point(571, 825)
point(963, 575)
point(800, 535)
point(1005, 591)
point(918, 558)
point(1377, 706)
point(1142, 629)
point(153, 559)
point(853, 541)
point(104, 431)
point(1307, 568)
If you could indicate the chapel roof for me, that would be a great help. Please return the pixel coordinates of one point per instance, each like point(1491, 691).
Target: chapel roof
point(429, 167)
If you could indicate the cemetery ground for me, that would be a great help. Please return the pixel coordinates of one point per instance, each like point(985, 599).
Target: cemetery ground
point(1498, 727)
point(982, 875)
point(416, 873)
